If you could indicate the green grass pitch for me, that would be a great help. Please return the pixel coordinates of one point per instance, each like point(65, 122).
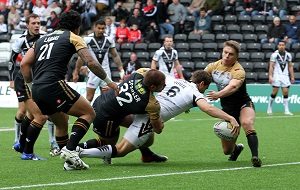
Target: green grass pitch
point(195, 160)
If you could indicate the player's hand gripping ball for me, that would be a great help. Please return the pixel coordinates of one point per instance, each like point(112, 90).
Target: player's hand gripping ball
point(223, 130)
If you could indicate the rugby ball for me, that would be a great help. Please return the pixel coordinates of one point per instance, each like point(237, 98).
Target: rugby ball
point(223, 130)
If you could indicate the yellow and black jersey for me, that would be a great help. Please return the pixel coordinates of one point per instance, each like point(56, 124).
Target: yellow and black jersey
point(222, 75)
point(134, 98)
point(52, 55)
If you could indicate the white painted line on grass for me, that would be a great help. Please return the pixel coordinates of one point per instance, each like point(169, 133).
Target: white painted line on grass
point(143, 176)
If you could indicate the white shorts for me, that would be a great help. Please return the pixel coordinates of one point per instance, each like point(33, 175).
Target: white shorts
point(94, 81)
point(139, 131)
point(281, 81)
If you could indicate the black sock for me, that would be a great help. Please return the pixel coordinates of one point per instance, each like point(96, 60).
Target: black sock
point(62, 141)
point(23, 133)
point(79, 129)
point(92, 143)
point(33, 132)
point(146, 151)
point(253, 143)
point(114, 151)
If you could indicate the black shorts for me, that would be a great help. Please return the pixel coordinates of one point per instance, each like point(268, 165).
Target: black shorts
point(106, 128)
point(55, 97)
point(22, 90)
point(236, 110)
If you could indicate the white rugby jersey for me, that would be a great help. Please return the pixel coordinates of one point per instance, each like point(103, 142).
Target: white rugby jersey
point(100, 48)
point(281, 63)
point(166, 59)
point(178, 96)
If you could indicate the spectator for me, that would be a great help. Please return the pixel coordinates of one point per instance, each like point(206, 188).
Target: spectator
point(68, 6)
point(252, 7)
point(214, 7)
point(202, 23)
point(151, 33)
point(137, 5)
point(120, 13)
point(122, 32)
point(3, 26)
point(132, 65)
point(52, 22)
point(110, 29)
point(137, 19)
point(102, 5)
point(195, 7)
point(4, 11)
point(230, 7)
point(292, 30)
point(22, 23)
point(89, 13)
point(15, 3)
point(54, 6)
point(177, 14)
point(13, 18)
point(279, 8)
point(40, 9)
point(134, 35)
point(149, 12)
point(276, 32)
point(27, 4)
point(163, 21)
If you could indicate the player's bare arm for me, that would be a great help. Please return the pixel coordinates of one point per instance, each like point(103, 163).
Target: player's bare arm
point(117, 60)
point(153, 64)
point(96, 68)
point(231, 88)
point(179, 69)
point(26, 65)
point(271, 70)
point(78, 65)
point(291, 72)
point(218, 113)
point(157, 125)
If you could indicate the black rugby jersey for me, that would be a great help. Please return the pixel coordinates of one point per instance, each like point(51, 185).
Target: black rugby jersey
point(134, 98)
point(52, 55)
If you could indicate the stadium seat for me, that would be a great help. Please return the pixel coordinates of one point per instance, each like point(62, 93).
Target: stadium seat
point(260, 67)
point(180, 38)
point(268, 56)
point(220, 46)
point(250, 38)
point(268, 47)
point(258, 20)
point(217, 19)
point(182, 46)
point(115, 76)
point(126, 56)
point(184, 56)
point(239, 9)
point(146, 64)
point(126, 47)
point(152, 54)
point(248, 66)
point(297, 57)
point(152, 47)
point(5, 46)
point(244, 56)
point(294, 10)
point(193, 37)
point(261, 29)
point(5, 56)
point(188, 65)
point(297, 67)
point(236, 37)
point(269, 19)
point(140, 47)
point(208, 38)
point(257, 56)
point(210, 47)
point(200, 65)
point(117, 46)
point(247, 29)
point(4, 75)
point(222, 37)
point(143, 56)
point(244, 19)
point(5, 37)
point(233, 29)
point(297, 77)
point(4, 66)
point(295, 47)
point(285, 19)
point(230, 19)
point(263, 77)
point(261, 36)
point(218, 29)
point(196, 46)
point(243, 46)
point(253, 47)
point(189, 24)
point(213, 56)
point(251, 77)
point(198, 56)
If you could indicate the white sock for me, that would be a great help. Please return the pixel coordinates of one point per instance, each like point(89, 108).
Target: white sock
point(101, 152)
point(286, 104)
point(51, 129)
point(270, 103)
point(17, 130)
